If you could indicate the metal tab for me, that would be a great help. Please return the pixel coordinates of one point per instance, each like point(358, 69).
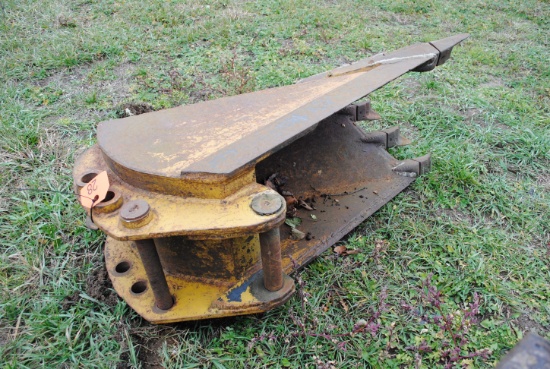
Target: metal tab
point(414, 167)
point(387, 138)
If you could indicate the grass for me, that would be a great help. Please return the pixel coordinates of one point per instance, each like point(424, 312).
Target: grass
point(478, 224)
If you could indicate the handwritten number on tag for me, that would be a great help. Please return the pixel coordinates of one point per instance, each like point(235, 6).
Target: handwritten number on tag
point(95, 191)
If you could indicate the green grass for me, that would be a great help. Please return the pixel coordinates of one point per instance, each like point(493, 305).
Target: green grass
point(479, 222)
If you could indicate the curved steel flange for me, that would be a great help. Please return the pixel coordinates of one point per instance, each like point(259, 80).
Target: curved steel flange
point(194, 298)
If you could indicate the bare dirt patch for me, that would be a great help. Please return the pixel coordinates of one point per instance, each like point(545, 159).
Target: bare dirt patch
point(80, 80)
point(456, 216)
point(4, 335)
point(402, 19)
point(129, 109)
point(99, 287)
point(411, 86)
point(149, 351)
point(526, 324)
point(493, 83)
point(476, 116)
point(544, 181)
point(71, 300)
point(470, 114)
point(149, 339)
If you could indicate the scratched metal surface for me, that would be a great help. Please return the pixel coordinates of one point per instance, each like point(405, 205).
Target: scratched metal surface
point(223, 135)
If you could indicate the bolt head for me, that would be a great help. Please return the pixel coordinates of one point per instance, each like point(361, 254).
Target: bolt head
point(266, 203)
point(134, 211)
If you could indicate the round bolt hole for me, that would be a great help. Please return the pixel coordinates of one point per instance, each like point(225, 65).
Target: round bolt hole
point(122, 267)
point(86, 178)
point(139, 287)
point(110, 195)
point(112, 201)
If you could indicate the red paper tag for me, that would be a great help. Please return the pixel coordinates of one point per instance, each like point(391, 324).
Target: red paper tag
point(95, 191)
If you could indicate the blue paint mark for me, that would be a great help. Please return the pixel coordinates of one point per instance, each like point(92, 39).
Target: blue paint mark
point(235, 294)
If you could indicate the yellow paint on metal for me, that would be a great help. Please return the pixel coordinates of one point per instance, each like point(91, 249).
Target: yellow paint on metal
point(200, 185)
point(110, 204)
point(246, 297)
point(209, 247)
point(195, 298)
point(224, 261)
point(171, 215)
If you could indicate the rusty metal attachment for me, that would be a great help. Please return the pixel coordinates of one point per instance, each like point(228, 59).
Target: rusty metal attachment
point(199, 194)
point(532, 352)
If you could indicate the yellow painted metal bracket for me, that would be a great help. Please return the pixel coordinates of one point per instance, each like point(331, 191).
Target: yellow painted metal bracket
point(172, 215)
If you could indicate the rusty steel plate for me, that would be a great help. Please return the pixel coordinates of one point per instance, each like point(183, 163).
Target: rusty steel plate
point(343, 178)
point(224, 135)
